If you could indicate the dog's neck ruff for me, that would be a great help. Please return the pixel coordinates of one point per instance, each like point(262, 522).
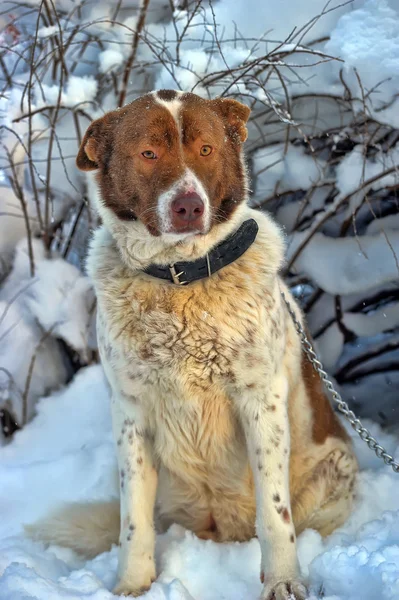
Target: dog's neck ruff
point(234, 246)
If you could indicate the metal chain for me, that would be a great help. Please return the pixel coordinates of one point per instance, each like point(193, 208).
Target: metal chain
point(342, 406)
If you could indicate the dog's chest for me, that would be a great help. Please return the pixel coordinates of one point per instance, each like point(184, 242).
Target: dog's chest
point(197, 338)
point(182, 352)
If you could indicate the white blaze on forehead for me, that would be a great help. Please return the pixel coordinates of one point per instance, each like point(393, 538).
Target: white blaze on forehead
point(188, 183)
point(173, 106)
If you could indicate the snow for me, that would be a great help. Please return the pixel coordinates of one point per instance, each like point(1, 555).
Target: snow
point(12, 226)
point(78, 90)
point(381, 388)
point(367, 39)
point(359, 264)
point(289, 169)
point(67, 454)
point(253, 19)
point(385, 223)
point(44, 32)
point(234, 20)
point(330, 343)
point(58, 303)
point(355, 169)
point(110, 60)
point(384, 319)
point(194, 64)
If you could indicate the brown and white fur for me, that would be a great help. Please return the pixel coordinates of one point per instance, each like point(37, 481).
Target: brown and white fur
point(220, 423)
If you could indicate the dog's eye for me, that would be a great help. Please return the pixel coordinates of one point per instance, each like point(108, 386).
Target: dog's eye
point(148, 154)
point(206, 150)
point(127, 215)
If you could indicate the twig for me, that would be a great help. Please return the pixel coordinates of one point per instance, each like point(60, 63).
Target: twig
point(333, 209)
point(30, 373)
point(132, 56)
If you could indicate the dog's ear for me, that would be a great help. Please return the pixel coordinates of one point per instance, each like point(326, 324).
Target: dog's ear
point(236, 114)
point(94, 142)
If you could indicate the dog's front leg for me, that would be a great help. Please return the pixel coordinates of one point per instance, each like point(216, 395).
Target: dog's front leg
point(138, 482)
point(265, 419)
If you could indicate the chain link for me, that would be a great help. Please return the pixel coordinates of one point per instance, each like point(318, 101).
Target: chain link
point(342, 406)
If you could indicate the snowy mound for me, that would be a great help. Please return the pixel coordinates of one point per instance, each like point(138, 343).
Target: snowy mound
point(66, 453)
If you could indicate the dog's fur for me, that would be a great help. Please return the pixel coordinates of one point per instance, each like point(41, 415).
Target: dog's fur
point(219, 420)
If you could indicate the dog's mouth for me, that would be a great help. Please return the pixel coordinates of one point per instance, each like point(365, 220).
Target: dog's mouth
point(181, 238)
point(186, 230)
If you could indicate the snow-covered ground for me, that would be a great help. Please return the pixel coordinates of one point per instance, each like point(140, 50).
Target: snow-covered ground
point(66, 453)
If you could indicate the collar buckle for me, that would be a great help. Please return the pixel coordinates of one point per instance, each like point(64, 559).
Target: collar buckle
point(229, 250)
point(176, 276)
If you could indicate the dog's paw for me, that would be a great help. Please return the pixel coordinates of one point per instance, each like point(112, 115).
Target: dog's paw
point(128, 589)
point(285, 590)
point(135, 583)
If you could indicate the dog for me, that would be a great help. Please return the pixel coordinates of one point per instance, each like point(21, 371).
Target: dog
point(221, 425)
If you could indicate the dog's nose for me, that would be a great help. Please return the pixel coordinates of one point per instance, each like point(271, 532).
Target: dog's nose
point(187, 210)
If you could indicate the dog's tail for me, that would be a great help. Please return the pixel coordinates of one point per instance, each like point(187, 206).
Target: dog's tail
point(89, 529)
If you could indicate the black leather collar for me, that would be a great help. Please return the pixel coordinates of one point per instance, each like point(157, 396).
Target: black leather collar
point(222, 255)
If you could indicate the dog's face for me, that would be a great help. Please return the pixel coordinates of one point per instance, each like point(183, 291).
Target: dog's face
point(172, 160)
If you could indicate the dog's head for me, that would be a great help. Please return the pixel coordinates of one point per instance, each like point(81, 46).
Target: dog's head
point(171, 160)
